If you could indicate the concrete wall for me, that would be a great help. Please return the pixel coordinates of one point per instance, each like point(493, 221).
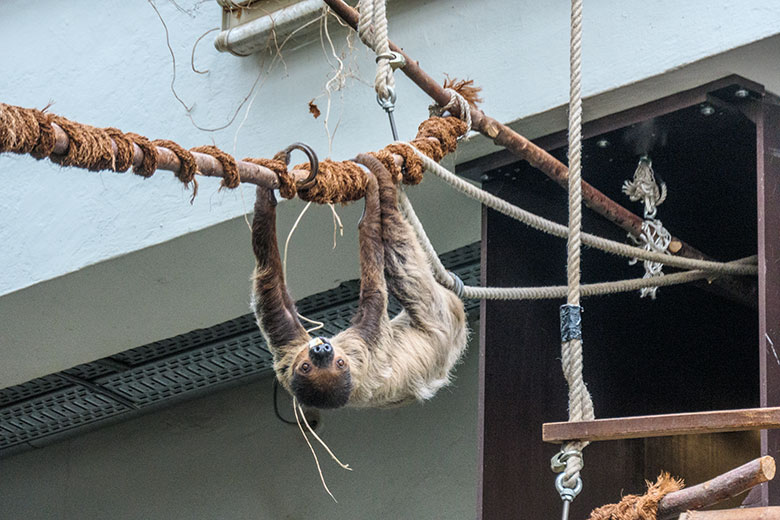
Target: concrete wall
point(226, 456)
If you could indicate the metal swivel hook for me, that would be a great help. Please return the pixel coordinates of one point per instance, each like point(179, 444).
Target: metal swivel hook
point(314, 163)
point(388, 104)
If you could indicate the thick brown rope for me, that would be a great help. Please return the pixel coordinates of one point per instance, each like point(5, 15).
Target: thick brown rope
point(337, 182)
point(639, 507)
point(25, 130)
point(123, 158)
point(89, 147)
point(188, 167)
point(46, 137)
point(149, 163)
point(230, 178)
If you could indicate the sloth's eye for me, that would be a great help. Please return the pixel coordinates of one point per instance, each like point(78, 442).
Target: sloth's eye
point(340, 362)
point(305, 367)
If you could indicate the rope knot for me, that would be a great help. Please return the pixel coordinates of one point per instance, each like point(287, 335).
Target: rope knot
point(456, 100)
point(655, 237)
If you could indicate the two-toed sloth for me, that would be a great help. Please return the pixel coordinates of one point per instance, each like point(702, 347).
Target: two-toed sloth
point(377, 362)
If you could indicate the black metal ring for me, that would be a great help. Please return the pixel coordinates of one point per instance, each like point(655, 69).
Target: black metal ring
point(314, 163)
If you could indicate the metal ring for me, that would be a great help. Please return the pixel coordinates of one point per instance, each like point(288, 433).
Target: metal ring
point(567, 493)
point(387, 103)
point(314, 163)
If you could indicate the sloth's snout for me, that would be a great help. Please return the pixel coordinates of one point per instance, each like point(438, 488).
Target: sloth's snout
point(321, 354)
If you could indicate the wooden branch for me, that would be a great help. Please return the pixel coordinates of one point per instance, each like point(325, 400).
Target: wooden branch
point(754, 513)
point(751, 513)
point(720, 488)
point(662, 425)
point(520, 146)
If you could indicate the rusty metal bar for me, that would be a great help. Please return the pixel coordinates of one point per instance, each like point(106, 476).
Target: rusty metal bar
point(539, 158)
point(722, 487)
point(662, 425)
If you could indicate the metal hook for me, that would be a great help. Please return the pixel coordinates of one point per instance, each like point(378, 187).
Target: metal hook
point(314, 163)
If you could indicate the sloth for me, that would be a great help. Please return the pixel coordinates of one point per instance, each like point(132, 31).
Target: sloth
point(376, 362)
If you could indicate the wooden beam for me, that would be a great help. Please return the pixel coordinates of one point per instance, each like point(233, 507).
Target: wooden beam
point(663, 425)
point(722, 487)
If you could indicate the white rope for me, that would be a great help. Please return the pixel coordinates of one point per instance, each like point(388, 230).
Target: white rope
point(654, 237)
point(372, 29)
point(580, 402)
point(553, 228)
point(446, 279)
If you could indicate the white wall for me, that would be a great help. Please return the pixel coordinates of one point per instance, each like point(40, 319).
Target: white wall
point(226, 456)
point(107, 64)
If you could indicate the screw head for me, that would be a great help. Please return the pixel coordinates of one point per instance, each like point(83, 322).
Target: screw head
point(484, 177)
point(602, 143)
point(741, 93)
point(707, 110)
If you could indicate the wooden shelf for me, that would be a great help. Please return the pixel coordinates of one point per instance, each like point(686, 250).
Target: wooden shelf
point(663, 425)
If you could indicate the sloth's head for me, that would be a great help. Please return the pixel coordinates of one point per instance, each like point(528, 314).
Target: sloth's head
point(321, 377)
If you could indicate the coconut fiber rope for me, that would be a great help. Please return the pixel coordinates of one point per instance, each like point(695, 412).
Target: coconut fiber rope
point(31, 131)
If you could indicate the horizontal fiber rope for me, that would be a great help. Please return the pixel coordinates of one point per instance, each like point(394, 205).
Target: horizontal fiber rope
point(553, 228)
point(547, 292)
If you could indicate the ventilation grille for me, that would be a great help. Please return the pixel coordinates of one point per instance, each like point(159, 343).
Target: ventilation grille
point(176, 368)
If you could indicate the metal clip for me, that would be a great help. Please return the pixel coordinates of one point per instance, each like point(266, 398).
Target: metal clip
point(558, 461)
point(567, 494)
point(395, 59)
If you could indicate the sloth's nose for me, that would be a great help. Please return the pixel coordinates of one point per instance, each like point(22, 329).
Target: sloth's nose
point(321, 354)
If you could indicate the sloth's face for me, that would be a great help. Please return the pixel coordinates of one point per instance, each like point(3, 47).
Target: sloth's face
point(321, 377)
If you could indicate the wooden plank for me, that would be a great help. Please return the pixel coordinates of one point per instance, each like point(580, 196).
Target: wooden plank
point(662, 425)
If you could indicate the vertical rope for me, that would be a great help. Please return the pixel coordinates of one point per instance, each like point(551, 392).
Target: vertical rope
point(580, 403)
point(372, 29)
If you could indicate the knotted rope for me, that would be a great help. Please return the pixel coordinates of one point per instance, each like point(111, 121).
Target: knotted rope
point(654, 237)
point(456, 101)
point(372, 29)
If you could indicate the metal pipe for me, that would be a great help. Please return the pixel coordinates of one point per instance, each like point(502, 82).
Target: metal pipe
point(250, 37)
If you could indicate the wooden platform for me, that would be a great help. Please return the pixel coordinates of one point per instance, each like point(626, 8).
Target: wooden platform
point(663, 425)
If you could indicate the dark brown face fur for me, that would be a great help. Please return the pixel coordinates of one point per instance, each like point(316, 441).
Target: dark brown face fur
point(324, 386)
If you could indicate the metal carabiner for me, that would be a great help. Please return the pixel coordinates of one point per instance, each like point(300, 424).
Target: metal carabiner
point(314, 163)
